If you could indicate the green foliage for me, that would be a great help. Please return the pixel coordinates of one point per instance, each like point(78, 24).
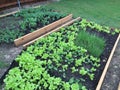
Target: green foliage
point(8, 36)
point(94, 44)
point(31, 19)
point(37, 17)
point(85, 24)
point(55, 53)
point(83, 71)
point(75, 86)
point(31, 75)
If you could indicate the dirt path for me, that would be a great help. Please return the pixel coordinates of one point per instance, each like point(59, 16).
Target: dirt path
point(112, 78)
point(8, 53)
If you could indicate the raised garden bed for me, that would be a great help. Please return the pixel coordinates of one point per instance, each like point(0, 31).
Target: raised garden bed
point(37, 33)
point(57, 61)
point(26, 21)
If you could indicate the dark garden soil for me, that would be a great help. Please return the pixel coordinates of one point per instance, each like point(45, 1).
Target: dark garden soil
point(91, 85)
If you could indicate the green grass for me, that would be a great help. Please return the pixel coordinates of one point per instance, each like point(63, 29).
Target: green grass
point(104, 12)
point(94, 44)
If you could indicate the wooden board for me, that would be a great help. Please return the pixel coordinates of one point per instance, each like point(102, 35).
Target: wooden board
point(107, 64)
point(64, 25)
point(119, 86)
point(9, 13)
point(37, 33)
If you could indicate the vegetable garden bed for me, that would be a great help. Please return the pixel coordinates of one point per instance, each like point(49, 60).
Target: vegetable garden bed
point(59, 61)
point(26, 21)
point(37, 33)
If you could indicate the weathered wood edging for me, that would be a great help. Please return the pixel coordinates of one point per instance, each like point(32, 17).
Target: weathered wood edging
point(119, 86)
point(37, 33)
point(107, 65)
point(57, 29)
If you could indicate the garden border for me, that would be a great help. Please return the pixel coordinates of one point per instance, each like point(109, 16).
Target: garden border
point(37, 33)
point(100, 82)
point(119, 86)
point(57, 29)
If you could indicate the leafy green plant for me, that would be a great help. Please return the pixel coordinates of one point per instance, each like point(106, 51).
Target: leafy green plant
point(37, 17)
point(84, 24)
point(83, 71)
point(74, 69)
point(30, 20)
point(7, 36)
point(56, 53)
point(91, 76)
point(75, 86)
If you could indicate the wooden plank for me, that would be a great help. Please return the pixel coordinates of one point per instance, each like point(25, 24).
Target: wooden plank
point(119, 86)
point(64, 25)
point(26, 38)
point(8, 14)
point(8, 4)
point(107, 65)
point(4, 15)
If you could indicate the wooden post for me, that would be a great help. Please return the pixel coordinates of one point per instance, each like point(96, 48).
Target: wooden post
point(37, 33)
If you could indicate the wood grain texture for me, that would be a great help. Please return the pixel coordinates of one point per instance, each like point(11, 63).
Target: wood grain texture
point(57, 29)
point(119, 86)
point(37, 33)
point(107, 65)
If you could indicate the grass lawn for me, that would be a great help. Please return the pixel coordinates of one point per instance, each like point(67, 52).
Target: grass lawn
point(104, 12)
